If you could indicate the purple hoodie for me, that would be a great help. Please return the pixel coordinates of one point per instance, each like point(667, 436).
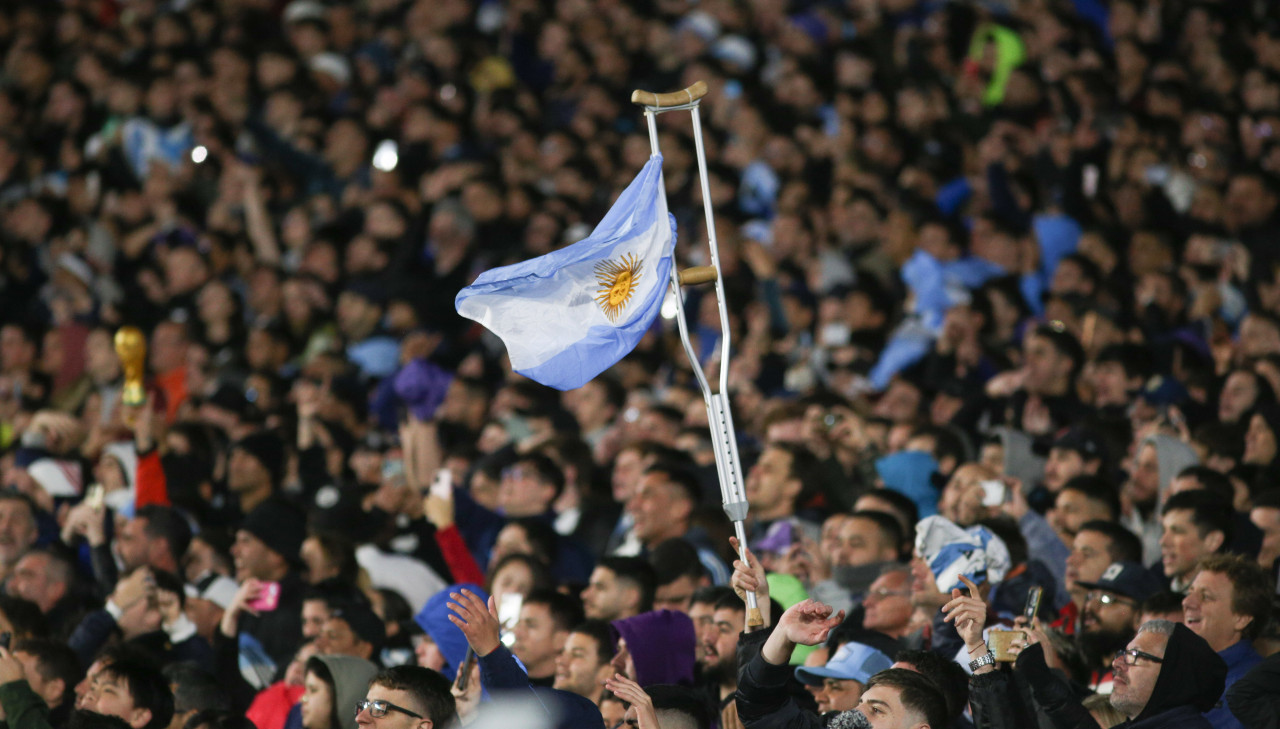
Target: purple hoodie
point(662, 645)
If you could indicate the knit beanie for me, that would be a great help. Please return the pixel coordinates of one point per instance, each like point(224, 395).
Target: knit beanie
point(268, 449)
point(280, 525)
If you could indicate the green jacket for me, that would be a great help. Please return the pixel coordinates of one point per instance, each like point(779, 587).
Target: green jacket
point(23, 708)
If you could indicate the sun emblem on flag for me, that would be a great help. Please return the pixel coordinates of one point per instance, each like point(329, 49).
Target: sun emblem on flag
point(617, 281)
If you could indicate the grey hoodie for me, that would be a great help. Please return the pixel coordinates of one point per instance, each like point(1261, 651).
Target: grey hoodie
point(1172, 455)
point(351, 678)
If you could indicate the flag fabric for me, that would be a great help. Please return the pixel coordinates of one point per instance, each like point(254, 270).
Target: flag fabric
point(571, 314)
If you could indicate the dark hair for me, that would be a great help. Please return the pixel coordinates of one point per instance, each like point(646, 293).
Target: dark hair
point(887, 524)
point(195, 688)
point(917, 693)
point(601, 633)
point(711, 595)
point(1252, 589)
point(54, 660)
point(1125, 545)
point(339, 549)
point(1135, 359)
point(1268, 499)
point(946, 442)
point(427, 687)
point(548, 472)
point(1065, 343)
point(1213, 482)
point(1221, 439)
point(638, 573)
point(1208, 512)
point(904, 509)
point(147, 686)
point(542, 537)
point(682, 700)
point(321, 670)
point(679, 476)
point(541, 573)
point(218, 719)
point(947, 675)
point(25, 616)
point(1096, 488)
point(171, 583)
point(565, 611)
point(1162, 603)
point(164, 522)
point(673, 559)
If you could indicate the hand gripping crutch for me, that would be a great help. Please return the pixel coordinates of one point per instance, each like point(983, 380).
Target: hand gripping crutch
point(728, 465)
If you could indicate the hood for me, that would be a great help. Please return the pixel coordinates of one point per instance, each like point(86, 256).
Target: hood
point(351, 678)
point(910, 473)
point(662, 645)
point(434, 621)
point(1192, 673)
point(1172, 455)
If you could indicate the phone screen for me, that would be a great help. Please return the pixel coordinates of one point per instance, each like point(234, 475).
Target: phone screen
point(994, 493)
point(442, 487)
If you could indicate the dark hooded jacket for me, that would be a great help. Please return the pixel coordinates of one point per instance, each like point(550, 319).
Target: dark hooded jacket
point(1190, 683)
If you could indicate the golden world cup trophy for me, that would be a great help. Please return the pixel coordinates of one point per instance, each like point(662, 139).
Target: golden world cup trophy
point(131, 348)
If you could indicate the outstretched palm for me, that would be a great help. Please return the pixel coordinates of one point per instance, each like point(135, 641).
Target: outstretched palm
point(809, 622)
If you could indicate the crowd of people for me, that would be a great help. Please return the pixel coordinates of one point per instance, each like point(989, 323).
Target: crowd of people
point(1004, 301)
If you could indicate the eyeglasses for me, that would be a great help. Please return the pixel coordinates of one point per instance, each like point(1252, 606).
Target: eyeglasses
point(378, 709)
point(1131, 656)
point(1107, 599)
point(883, 593)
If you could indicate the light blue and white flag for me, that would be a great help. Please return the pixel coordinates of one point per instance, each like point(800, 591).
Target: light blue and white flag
point(571, 314)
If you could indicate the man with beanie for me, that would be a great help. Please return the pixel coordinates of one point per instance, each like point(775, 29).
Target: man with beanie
point(255, 469)
point(266, 558)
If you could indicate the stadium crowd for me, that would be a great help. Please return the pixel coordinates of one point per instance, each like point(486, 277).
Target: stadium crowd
point(1004, 292)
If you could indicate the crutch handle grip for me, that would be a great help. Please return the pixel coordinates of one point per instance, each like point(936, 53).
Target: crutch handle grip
point(754, 618)
point(697, 275)
point(671, 98)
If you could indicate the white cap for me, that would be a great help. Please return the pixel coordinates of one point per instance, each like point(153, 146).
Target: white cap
point(332, 64)
point(220, 590)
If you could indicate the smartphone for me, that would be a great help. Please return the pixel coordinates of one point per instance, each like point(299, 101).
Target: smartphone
point(268, 598)
point(468, 663)
point(392, 469)
point(508, 614)
point(1033, 604)
point(96, 497)
point(994, 492)
point(442, 487)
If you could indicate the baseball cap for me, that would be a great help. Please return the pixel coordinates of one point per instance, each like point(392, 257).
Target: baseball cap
point(1129, 579)
point(852, 662)
point(1087, 444)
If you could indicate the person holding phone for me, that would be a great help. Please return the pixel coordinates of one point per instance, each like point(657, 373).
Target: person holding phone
point(264, 620)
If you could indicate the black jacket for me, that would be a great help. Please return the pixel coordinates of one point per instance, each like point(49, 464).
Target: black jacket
point(1255, 699)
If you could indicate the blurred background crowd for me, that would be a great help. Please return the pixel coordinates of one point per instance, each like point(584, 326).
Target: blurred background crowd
point(1004, 294)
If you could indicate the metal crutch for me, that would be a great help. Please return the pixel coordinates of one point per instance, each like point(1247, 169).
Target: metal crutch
point(724, 441)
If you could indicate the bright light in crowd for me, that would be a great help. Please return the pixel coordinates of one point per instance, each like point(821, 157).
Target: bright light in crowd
point(199, 154)
point(386, 156)
point(669, 305)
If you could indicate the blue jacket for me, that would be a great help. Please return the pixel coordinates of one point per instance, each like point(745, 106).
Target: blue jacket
point(500, 673)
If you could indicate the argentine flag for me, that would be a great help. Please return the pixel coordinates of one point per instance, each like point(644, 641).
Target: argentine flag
point(571, 314)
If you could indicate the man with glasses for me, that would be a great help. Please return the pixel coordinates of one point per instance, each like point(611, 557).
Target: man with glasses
point(406, 697)
point(1167, 676)
point(1111, 611)
point(887, 605)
